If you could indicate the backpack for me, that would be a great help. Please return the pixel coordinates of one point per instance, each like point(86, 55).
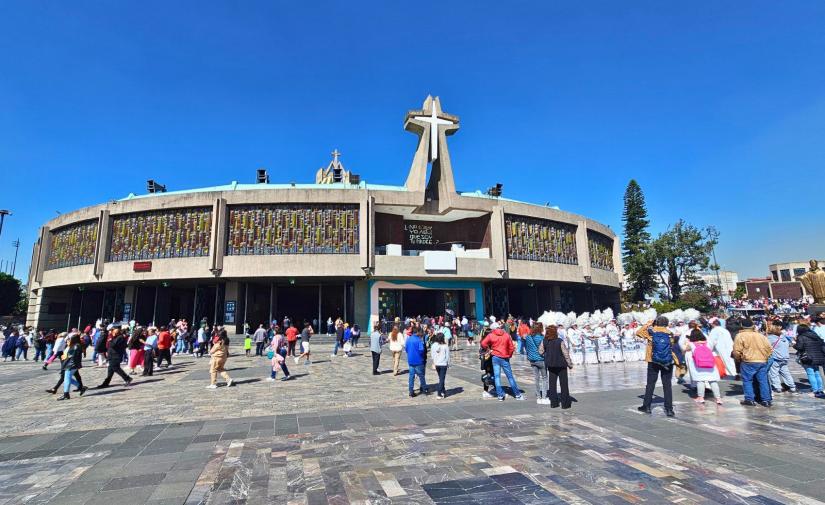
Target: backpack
point(661, 348)
point(703, 357)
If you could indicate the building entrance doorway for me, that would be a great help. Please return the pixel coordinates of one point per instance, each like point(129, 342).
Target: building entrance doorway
point(422, 302)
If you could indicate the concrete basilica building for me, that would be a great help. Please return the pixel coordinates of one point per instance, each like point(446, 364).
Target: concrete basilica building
point(340, 247)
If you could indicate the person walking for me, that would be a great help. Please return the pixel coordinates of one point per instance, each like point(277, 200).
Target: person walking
point(219, 353)
point(808, 347)
point(291, 333)
point(136, 349)
point(339, 338)
point(150, 345)
point(306, 334)
point(440, 350)
point(416, 359)
point(397, 341)
point(70, 365)
point(116, 352)
point(203, 340)
point(259, 338)
point(100, 347)
point(356, 335)
point(702, 366)
point(164, 347)
point(40, 346)
point(376, 342)
point(57, 349)
point(277, 354)
point(557, 361)
point(22, 347)
point(660, 362)
point(779, 373)
point(535, 355)
point(753, 349)
point(501, 344)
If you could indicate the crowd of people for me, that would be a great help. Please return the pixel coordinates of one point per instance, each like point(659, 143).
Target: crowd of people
point(697, 353)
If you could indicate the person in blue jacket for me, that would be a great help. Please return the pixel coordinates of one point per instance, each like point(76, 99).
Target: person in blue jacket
point(416, 359)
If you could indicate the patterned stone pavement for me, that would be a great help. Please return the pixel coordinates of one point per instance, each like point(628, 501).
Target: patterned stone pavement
point(338, 435)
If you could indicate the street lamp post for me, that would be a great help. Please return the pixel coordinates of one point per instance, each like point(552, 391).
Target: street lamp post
point(3, 214)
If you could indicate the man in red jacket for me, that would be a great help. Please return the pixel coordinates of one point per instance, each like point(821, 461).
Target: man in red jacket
point(502, 347)
point(164, 346)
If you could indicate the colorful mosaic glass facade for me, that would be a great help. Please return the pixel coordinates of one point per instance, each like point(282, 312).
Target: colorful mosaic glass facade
point(601, 251)
point(176, 233)
point(540, 240)
point(73, 245)
point(293, 229)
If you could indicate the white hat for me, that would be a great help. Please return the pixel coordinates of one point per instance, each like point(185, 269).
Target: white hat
point(495, 326)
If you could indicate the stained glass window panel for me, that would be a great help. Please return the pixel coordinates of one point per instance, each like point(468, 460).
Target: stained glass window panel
point(175, 233)
point(534, 239)
point(293, 229)
point(601, 251)
point(73, 245)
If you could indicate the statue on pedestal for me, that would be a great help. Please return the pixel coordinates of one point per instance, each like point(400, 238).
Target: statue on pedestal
point(814, 282)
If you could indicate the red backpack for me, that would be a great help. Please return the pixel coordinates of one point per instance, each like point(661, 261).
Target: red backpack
point(702, 356)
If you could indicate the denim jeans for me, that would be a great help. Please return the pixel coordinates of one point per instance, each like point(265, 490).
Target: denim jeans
point(500, 364)
point(23, 351)
point(758, 371)
point(335, 349)
point(180, 346)
point(442, 380)
point(69, 381)
point(40, 354)
point(779, 373)
point(540, 373)
point(814, 378)
point(419, 371)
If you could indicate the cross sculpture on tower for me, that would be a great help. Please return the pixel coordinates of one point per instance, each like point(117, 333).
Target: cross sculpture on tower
point(432, 125)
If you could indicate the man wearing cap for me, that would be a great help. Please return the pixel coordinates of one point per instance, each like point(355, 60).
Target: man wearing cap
point(753, 349)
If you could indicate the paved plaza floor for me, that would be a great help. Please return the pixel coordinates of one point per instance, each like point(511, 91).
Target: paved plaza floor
point(336, 434)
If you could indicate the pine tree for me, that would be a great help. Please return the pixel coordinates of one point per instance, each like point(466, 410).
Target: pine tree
point(638, 268)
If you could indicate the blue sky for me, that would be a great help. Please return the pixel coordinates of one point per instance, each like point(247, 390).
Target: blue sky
point(717, 109)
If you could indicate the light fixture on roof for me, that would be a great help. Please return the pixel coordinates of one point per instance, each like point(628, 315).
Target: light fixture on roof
point(155, 187)
point(495, 190)
point(263, 176)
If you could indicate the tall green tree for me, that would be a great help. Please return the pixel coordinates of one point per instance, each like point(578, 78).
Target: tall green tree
point(11, 294)
point(679, 254)
point(639, 271)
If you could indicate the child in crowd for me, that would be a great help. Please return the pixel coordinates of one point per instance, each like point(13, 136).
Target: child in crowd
point(247, 344)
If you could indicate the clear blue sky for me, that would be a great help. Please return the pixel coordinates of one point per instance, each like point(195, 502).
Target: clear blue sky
point(718, 109)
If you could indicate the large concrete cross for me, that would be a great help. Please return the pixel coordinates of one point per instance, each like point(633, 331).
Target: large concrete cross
point(433, 120)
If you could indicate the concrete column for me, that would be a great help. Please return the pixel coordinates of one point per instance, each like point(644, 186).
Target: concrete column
point(102, 247)
point(498, 240)
point(217, 242)
point(618, 267)
point(364, 232)
point(583, 248)
point(43, 253)
point(557, 297)
point(371, 234)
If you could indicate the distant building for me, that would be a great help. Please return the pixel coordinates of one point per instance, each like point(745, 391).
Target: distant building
point(728, 278)
point(785, 272)
point(780, 284)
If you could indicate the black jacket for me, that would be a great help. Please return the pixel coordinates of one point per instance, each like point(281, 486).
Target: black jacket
point(554, 354)
point(117, 348)
point(100, 345)
point(809, 344)
point(74, 358)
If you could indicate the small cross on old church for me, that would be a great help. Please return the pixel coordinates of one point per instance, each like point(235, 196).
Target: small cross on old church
point(335, 155)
